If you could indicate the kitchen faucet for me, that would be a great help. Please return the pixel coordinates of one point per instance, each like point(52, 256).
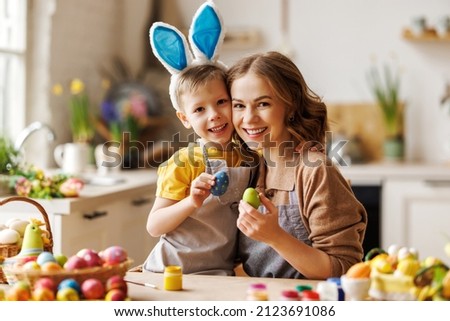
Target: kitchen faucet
point(27, 131)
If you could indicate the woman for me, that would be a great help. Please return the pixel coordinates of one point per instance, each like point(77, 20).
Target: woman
point(310, 225)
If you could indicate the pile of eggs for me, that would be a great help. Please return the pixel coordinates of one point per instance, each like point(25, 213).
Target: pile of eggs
point(12, 231)
point(45, 289)
point(85, 258)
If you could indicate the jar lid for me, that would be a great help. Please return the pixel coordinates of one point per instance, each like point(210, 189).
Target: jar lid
point(301, 288)
point(334, 280)
point(310, 295)
point(257, 286)
point(291, 294)
point(173, 269)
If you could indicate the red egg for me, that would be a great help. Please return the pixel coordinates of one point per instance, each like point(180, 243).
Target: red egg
point(116, 282)
point(91, 257)
point(45, 283)
point(83, 252)
point(93, 289)
point(115, 295)
point(114, 255)
point(75, 262)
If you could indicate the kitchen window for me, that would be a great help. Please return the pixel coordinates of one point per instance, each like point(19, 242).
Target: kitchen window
point(12, 65)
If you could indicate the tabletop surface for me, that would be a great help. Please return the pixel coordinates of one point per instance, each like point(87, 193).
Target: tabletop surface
point(206, 287)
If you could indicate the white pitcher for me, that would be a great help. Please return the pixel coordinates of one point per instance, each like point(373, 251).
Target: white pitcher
point(107, 159)
point(72, 158)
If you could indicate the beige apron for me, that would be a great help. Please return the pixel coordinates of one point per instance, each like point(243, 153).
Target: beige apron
point(206, 242)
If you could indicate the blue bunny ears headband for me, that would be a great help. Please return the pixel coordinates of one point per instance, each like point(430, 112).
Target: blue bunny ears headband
point(170, 46)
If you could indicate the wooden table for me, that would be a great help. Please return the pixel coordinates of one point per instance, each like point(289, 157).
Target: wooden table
point(206, 287)
point(203, 287)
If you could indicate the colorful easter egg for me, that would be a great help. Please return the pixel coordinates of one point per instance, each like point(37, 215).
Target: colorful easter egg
point(114, 255)
point(251, 196)
point(45, 257)
point(222, 182)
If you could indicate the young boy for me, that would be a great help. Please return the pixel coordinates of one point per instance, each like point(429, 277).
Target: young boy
point(198, 230)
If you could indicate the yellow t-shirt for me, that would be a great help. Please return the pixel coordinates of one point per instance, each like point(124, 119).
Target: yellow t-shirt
point(177, 173)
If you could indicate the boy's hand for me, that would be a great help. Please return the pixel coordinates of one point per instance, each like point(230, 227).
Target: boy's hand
point(201, 188)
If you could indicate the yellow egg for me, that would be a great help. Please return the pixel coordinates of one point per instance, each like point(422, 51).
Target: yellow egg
point(384, 266)
point(431, 260)
point(408, 267)
point(381, 256)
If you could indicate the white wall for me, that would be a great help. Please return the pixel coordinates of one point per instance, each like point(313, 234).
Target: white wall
point(74, 39)
point(334, 42)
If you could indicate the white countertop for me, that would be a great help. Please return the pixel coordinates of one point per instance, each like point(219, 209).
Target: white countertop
point(375, 173)
point(128, 183)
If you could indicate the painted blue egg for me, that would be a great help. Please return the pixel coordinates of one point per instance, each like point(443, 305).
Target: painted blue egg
point(221, 185)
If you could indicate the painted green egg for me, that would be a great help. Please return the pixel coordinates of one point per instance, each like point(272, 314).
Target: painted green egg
point(251, 196)
point(222, 182)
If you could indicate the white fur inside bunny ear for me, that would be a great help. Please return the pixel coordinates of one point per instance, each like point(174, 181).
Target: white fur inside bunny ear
point(206, 33)
point(170, 46)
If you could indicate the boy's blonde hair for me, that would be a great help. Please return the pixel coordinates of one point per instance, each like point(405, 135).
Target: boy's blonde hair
point(196, 76)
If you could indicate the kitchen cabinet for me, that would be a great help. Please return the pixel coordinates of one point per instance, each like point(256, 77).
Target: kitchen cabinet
point(121, 222)
point(102, 216)
point(415, 203)
point(416, 213)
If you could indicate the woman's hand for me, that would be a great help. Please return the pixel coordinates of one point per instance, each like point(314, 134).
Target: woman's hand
point(201, 188)
point(256, 225)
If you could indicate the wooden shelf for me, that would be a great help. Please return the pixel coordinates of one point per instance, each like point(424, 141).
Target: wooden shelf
point(429, 35)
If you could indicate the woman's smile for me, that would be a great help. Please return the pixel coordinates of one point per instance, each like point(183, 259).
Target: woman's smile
point(258, 114)
point(255, 132)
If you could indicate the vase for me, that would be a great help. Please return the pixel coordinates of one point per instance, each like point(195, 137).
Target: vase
point(393, 149)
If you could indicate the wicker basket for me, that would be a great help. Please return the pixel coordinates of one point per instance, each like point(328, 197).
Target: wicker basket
point(7, 251)
point(102, 273)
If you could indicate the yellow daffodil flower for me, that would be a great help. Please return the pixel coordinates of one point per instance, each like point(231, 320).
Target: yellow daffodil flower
point(76, 86)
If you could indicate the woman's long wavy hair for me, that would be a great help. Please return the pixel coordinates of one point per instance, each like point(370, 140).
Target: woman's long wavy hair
point(306, 114)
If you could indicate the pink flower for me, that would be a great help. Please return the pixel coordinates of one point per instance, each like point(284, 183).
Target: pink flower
point(71, 187)
point(23, 186)
point(138, 106)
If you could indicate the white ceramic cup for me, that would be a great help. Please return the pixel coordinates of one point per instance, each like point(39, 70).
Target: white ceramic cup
point(72, 158)
point(355, 289)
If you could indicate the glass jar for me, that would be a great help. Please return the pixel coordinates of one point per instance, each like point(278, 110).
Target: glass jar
point(173, 278)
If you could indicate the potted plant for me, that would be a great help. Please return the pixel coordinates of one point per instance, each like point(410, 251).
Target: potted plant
point(9, 162)
point(385, 87)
